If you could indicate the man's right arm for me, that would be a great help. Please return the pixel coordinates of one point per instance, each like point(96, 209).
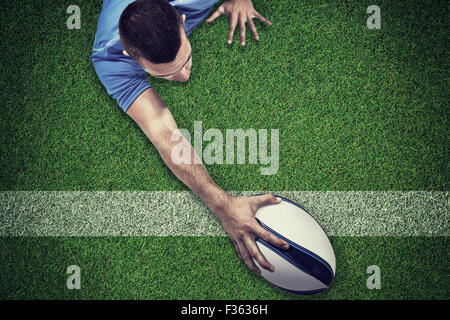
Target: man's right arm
point(237, 214)
point(156, 121)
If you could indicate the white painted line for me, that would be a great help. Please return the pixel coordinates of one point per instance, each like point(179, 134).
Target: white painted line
point(181, 213)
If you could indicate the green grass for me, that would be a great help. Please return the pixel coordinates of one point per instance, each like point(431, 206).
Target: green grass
point(357, 109)
point(159, 268)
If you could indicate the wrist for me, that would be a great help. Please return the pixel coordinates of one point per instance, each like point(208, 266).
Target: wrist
point(218, 201)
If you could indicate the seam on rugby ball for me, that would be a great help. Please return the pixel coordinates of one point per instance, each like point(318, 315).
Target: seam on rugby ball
point(302, 250)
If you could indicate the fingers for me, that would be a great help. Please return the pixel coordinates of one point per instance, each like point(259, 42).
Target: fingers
point(265, 199)
point(256, 254)
point(253, 28)
point(233, 23)
point(260, 17)
point(238, 251)
point(270, 237)
point(214, 16)
point(241, 18)
point(242, 21)
point(248, 258)
point(248, 250)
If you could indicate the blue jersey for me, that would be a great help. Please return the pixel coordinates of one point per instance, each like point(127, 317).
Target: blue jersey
point(123, 78)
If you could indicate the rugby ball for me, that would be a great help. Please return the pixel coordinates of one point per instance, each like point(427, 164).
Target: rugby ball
point(308, 266)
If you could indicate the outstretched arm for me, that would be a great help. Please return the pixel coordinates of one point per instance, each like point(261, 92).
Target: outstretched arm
point(237, 214)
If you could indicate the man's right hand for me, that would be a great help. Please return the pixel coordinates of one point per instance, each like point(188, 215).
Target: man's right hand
point(238, 219)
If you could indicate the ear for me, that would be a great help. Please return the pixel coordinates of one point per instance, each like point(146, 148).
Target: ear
point(125, 53)
point(183, 18)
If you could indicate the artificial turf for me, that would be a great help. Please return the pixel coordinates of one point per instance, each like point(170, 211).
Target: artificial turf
point(356, 109)
point(158, 268)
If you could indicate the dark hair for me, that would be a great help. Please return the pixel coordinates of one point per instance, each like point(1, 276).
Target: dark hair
point(150, 29)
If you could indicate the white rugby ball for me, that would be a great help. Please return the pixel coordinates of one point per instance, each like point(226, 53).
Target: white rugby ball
point(309, 265)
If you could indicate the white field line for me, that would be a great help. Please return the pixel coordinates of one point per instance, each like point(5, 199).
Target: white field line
point(181, 213)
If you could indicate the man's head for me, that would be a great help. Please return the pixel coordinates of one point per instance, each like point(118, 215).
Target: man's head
point(152, 33)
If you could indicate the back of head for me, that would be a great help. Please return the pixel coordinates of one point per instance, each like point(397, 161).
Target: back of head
point(150, 29)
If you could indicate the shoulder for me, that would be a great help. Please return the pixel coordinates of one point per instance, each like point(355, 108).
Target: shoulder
point(107, 34)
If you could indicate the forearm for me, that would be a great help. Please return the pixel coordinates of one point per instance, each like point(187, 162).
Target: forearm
point(194, 174)
point(158, 124)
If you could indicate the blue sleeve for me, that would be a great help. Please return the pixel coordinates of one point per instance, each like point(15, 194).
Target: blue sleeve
point(123, 79)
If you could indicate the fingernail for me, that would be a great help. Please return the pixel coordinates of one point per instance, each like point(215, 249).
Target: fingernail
point(278, 199)
point(242, 43)
point(286, 246)
point(229, 41)
point(272, 269)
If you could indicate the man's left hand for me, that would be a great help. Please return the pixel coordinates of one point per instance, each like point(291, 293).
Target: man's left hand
point(241, 11)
